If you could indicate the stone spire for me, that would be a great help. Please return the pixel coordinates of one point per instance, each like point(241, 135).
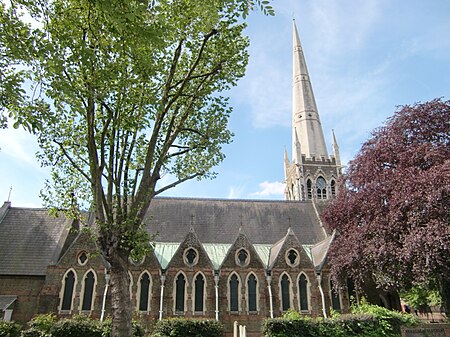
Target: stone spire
point(305, 116)
point(336, 153)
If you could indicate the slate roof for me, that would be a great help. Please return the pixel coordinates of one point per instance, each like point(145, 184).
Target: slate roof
point(30, 240)
point(219, 220)
point(6, 301)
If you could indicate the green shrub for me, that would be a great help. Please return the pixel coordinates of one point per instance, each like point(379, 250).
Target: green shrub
point(367, 320)
point(78, 326)
point(9, 329)
point(107, 326)
point(180, 327)
point(40, 326)
point(389, 320)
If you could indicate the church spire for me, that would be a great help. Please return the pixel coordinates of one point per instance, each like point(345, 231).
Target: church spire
point(305, 116)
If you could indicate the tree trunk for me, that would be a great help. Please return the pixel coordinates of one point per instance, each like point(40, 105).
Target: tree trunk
point(120, 298)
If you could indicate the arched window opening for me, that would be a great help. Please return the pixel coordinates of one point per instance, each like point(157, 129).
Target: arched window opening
point(191, 257)
point(69, 284)
point(285, 292)
point(321, 188)
point(199, 293)
point(303, 292)
point(234, 293)
point(309, 188)
point(351, 291)
point(252, 293)
point(144, 292)
point(180, 292)
point(333, 188)
point(89, 281)
point(292, 257)
point(335, 297)
point(242, 257)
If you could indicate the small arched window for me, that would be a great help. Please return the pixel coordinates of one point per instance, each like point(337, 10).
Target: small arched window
point(191, 257)
point(321, 188)
point(88, 293)
point(309, 188)
point(144, 292)
point(303, 292)
point(335, 297)
point(333, 188)
point(234, 293)
point(285, 292)
point(67, 297)
point(242, 257)
point(199, 284)
point(180, 288)
point(252, 293)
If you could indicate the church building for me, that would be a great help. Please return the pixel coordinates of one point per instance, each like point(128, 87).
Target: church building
point(229, 260)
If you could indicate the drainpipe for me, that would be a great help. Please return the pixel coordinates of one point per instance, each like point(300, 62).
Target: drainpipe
point(269, 280)
point(216, 286)
point(319, 280)
point(107, 279)
point(163, 280)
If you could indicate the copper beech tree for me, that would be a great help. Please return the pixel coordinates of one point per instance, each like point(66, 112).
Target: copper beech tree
point(120, 94)
point(392, 214)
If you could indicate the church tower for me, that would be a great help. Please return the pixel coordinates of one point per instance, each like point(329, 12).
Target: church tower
point(312, 174)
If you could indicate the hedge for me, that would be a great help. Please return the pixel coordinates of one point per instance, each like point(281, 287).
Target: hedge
point(9, 329)
point(181, 327)
point(367, 320)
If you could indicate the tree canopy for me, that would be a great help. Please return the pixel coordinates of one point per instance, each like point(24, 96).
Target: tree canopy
point(122, 93)
point(392, 214)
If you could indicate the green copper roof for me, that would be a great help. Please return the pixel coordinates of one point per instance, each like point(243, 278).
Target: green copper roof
point(216, 253)
point(307, 249)
point(263, 252)
point(164, 252)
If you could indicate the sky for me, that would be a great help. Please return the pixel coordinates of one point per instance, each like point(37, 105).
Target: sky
point(365, 58)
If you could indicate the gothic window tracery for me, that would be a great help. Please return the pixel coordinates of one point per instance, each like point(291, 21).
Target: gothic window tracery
point(321, 188)
point(180, 290)
point(335, 297)
point(199, 288)
point(309, 188)
point(69, 281)
point(144, 292)
point(242, 257)
point(252, 293)
point(88, 291)
point(333, 187)
point(285, 285)
point(303, 292)
point(233, 288)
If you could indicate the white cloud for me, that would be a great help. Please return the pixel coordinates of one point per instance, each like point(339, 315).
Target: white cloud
point(20, 145)
point(235, 192)
point(269, 189)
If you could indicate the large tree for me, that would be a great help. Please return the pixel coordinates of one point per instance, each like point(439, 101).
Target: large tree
point(392, 214)
point(120, 94)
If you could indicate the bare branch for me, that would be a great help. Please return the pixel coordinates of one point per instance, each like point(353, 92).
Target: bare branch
point(192, 176)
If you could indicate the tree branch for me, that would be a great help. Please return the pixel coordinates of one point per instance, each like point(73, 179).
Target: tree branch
point(192, 176)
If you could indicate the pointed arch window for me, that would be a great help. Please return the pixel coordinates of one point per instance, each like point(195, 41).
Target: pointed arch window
point(285, 285)
point(335, 297)
point(67, 296)
point(144, 292)
point(252, 292)
point(303, 292)
point(234, 293)
point(180, 289)
point(321, 188)
point(88, 291)
point(333, 187)
point(309, 188)
point(351, 291)
point(199, 296)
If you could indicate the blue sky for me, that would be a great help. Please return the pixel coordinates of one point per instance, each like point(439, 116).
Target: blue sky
point(364, 59)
